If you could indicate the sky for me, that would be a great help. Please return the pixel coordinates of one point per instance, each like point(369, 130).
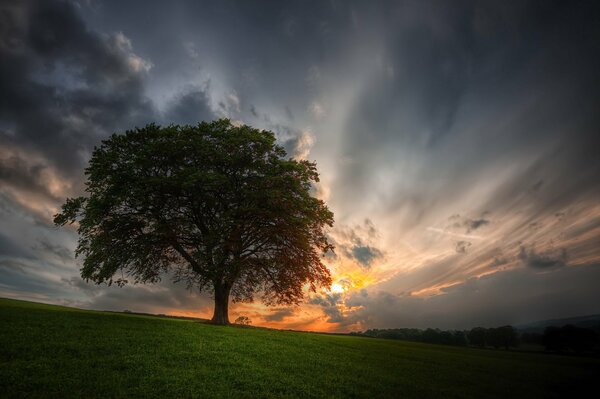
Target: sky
point(458, 145)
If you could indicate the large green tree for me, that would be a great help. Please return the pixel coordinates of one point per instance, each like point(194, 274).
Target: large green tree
point(217, 206)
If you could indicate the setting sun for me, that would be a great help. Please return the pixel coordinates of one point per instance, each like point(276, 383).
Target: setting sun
point(337, 288)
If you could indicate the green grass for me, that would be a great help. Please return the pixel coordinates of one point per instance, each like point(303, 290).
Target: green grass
point(52, 351)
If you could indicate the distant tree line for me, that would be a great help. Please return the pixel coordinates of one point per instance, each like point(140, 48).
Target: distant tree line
point(556, 339)
point(567, 338)
point(498, 337)
point(505, 337)
point(430, 335)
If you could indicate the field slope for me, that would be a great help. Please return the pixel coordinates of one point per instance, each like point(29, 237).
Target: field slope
point(52, 351)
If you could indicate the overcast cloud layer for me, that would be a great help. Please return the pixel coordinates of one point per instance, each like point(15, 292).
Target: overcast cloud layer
point(458, 144)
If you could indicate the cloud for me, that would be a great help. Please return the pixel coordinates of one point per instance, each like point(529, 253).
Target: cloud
point(544, 260)
point(279, 314)
point(8, 247)
point(299, 146)
point(469, 225)
point(190, 107)
point(56, 250)
point(462, 246)
point(23, 277)
point(358, 243)
point(163, 297)
point(326, 300)
point(474, 224)
point(24, 172)
point(64, 86)
point(330, 306)
point(483, 301)
point(498, 261)
point(317, 110)
point(364, 254)
point(253, 111)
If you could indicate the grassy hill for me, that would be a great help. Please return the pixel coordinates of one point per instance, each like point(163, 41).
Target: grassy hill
point(52, 351)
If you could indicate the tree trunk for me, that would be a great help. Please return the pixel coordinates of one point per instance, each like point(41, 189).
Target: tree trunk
point(221, 315)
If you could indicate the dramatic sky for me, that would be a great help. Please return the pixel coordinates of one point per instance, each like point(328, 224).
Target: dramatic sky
point(458, 144)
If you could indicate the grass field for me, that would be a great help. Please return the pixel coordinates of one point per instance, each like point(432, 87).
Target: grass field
point(52, 351)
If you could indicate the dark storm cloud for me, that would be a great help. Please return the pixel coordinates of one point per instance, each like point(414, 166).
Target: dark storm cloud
point(250, 44)
point(63, 86)
point(544, 260)
point(24, 276)
point(15, 171)
point(190, 107)
point(475, 79)
point(11, 208)
point(9, 247)
point(29, 180)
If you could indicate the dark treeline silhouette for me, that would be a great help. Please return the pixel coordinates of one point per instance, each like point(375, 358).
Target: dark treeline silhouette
point(430, 335)
point(568, 338)
point(499, 337)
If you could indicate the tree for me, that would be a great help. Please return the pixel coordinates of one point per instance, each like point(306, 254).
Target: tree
point(219, 206)
point(431, 336)
point(569, 337)
point(509, 337)
point(243, 320)
point(459, 338)
point(477, 336)
point(505, 336)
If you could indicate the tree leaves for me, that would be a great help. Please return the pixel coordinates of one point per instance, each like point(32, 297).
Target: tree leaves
point(217, 204)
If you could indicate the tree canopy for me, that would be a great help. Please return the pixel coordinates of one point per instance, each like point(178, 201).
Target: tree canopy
point(217, 206)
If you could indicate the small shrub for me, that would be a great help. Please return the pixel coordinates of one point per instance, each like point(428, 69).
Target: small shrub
point(243, 320)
